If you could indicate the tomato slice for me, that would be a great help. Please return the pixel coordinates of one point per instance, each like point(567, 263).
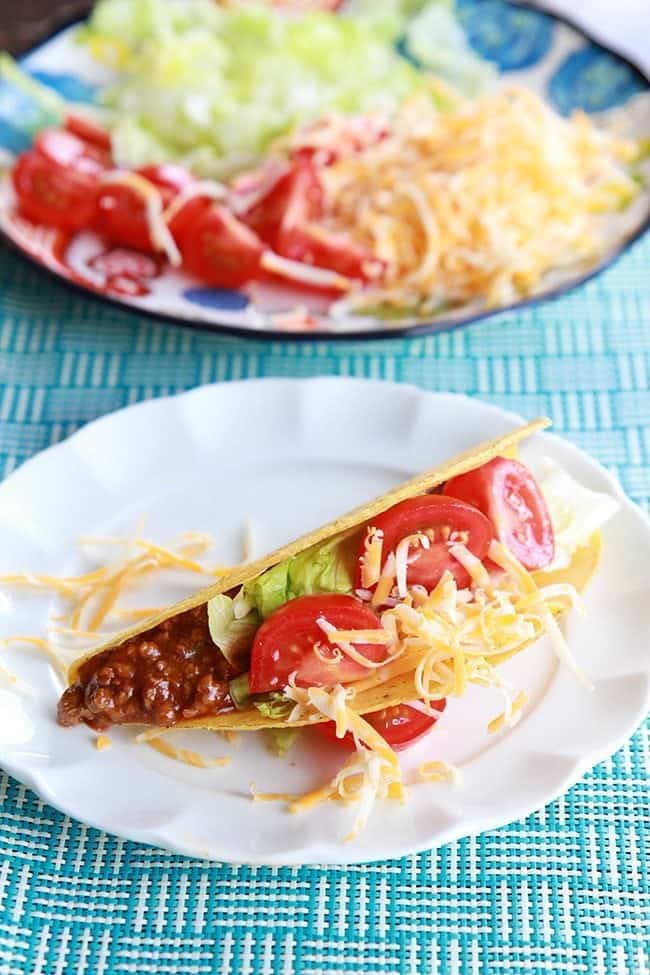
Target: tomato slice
point(52, 194)
point(170, 178)
point(219, 249)
point(506, 491)
point(188, 215)
point(400, 725)
point(121, 210)
point(336, 252)
point(284, 217)
point(121, 218)
point(292, 200)
point(444, 520)
point(68, 151)
point(88, 130)
point(285, 643)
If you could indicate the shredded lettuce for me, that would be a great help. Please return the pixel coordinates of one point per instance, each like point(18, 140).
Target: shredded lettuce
point(437, 41)
point(233, 636)
point(324, 568)
point(274, 705)
point(239, 690)
point(213, 85)
point(282, 739)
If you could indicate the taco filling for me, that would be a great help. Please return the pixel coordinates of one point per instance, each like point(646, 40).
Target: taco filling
point(377, 624)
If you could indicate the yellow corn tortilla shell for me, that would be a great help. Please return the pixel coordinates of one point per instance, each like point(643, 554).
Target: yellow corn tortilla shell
point(400, 689)
point(241, 574)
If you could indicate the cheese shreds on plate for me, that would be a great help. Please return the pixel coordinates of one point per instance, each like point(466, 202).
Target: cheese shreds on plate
point(478, 203)
point(445, 639)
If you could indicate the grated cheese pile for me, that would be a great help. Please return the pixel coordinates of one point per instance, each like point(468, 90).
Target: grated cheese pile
point(445, 640)
point(93, 598)
point(477, 204)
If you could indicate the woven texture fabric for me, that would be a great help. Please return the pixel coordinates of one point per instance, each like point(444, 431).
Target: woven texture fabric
point(565, 890)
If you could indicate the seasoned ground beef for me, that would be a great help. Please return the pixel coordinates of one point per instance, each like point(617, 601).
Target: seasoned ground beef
point(171, 673)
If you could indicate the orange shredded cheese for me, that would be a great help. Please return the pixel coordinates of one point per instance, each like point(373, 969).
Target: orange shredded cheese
point(480, 202)
point(186, 755)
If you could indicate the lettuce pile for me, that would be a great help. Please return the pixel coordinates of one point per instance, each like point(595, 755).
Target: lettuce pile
point(213, 86)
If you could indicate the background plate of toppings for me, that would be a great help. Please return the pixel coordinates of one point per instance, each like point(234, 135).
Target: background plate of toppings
point(258, 463)
point(378, 169)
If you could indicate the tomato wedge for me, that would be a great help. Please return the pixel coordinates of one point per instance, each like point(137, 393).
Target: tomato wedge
point(187, 216)
point(400, 725)
point(506, 491)
point(89, 131)
point(285, 644)
point(218, 248)
point(443, 520)
point(292, 201)
point(68, 151)
point(336, 252)
point(284, 217)
point(52, 194)
point(122, 215)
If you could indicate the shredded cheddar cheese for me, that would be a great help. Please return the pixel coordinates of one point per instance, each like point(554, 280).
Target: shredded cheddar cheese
point(381, 637)
point(371, 559)
point(309, 274)
point(186, 755)
point(344, 640)
point(93, 596)
point(372, 771)
point(480, 202)
point(102, 742)
point(206, 189)
point(511, 715)
point(436, 771)
point(386, 582)
point(445, 639)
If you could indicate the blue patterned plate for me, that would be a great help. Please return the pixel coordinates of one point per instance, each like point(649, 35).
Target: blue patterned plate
point(546, 53)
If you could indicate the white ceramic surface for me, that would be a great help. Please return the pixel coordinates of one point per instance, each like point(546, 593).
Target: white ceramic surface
point(289, 455)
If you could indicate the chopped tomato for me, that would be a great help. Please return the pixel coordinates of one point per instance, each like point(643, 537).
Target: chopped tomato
point(336, 252)
point(291, 641)
point(169, 178)
point(68, 151)
point(89, 131)
point(121, 217)
point(188, 215)
point(443, 521)
point(53, 194)
point(122, 214)
point(400, 725)
point(506, 491)
point(219, 249)
point(284, 218)
point(292, 200)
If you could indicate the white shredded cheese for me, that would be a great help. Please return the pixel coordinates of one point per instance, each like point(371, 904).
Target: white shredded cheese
point(159, 232)
point(309, 274)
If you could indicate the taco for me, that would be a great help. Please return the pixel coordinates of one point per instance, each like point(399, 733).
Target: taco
point(367, 625)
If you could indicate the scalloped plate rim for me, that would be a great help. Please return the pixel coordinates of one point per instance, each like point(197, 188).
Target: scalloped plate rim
point(327, 850)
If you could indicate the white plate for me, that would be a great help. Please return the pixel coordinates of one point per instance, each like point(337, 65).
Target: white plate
point(290, 455)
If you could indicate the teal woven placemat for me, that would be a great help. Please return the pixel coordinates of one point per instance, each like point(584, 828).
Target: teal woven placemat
point(565, 890)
